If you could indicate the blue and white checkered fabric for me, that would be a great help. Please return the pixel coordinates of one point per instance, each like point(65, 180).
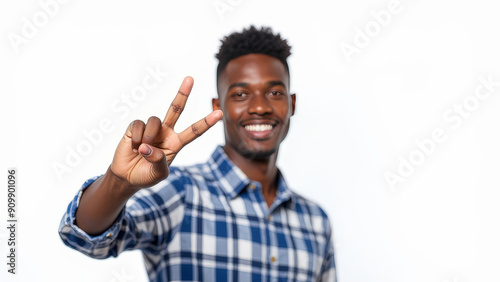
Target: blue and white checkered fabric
point(209, 222)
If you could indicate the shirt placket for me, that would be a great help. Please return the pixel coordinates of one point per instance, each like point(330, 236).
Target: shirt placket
point(271, 246)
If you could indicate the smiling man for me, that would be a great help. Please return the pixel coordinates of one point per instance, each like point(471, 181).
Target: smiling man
point(233, 218)
point(254, 95)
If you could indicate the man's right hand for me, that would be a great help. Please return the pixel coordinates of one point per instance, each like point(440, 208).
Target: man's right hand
point(146, 150)
point(141, 160)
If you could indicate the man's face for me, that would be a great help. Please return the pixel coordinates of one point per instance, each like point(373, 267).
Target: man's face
point(254, 96)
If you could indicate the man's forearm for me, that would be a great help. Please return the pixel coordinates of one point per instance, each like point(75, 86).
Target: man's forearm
point(102, 202)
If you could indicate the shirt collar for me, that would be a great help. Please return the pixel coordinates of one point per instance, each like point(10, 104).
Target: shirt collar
point(233, 180)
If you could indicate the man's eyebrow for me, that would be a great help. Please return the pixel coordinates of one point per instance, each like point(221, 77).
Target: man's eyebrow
point(237, 84)
point(275, 83)
point(244, 84)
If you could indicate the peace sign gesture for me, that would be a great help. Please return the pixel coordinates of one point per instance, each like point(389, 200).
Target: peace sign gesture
point(146, 150)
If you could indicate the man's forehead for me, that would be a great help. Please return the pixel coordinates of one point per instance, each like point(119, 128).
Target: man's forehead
point(254, 69)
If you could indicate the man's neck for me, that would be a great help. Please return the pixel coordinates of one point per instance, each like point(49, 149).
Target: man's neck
point(263, 171)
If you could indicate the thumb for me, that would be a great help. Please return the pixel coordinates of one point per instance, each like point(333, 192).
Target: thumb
point(157, 158)
point(152, 154)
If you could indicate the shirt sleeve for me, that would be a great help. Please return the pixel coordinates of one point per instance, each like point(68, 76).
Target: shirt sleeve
point(328, 273)
point(328, 269)
point(147, 222)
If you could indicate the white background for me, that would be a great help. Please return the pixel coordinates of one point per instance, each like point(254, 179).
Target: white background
point(355, 121)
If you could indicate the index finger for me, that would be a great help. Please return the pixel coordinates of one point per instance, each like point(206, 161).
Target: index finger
point(198, 128)
point(177, 106)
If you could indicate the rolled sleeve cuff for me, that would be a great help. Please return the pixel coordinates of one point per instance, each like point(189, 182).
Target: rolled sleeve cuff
point(73, 232)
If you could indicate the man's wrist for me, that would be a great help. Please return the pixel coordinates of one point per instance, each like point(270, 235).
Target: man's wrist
point(120, 187)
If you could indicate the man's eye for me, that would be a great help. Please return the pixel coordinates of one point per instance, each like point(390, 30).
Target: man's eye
point(240, 95)
point(276, 93)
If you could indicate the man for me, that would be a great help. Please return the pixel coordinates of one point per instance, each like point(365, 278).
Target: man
point(232, 218)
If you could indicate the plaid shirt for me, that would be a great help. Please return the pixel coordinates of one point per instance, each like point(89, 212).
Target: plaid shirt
point(209, 222)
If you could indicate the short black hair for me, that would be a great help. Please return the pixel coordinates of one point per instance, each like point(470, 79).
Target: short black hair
point(252, 41)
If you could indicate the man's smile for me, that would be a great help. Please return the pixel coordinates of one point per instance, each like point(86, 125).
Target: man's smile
point(259, 129)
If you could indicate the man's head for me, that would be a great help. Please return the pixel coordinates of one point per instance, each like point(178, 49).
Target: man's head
point(253, 84)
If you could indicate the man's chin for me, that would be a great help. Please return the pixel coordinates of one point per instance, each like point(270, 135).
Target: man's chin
point(257, 154)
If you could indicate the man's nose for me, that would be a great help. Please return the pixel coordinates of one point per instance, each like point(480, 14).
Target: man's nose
point(259, 105)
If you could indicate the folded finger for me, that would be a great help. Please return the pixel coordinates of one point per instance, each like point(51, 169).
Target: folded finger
point(151, 131)
point(137, 130)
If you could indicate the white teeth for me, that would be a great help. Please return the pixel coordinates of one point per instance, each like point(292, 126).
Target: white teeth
point(258, 127)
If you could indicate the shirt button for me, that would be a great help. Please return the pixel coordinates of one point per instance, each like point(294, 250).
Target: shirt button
point(252, 186)
point(269, 217)
point(273, 259)
point(109, 235)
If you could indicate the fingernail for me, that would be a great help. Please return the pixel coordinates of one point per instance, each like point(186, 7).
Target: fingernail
point(149, 151)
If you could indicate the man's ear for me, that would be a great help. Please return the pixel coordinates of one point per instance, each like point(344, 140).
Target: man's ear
point(215, 104)
point(293, 104)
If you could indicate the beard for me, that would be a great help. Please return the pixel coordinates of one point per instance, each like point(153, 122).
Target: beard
point(255, 154)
